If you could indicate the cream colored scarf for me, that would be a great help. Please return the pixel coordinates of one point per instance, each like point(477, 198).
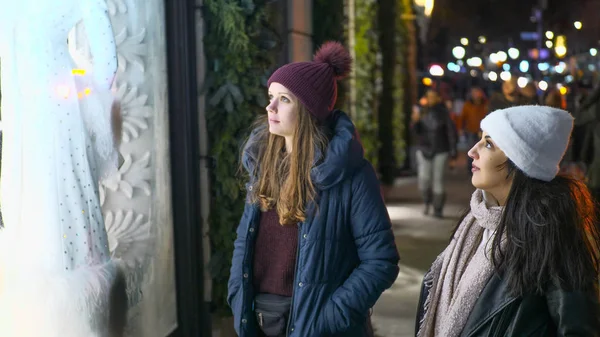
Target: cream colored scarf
point(461, 271)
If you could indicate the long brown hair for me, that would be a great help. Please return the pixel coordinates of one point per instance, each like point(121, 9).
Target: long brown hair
point(283, 179)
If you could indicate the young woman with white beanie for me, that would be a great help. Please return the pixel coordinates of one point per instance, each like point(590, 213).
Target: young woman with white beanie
point(523, 261)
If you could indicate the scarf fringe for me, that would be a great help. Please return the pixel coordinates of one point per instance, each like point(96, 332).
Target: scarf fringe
point(461, 270)
point(428, 281)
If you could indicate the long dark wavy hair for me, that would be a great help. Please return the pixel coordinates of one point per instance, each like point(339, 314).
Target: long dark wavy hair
point(551, 232)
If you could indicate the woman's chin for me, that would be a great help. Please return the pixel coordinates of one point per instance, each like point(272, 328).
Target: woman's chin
point(273, 130)
point(475, 181)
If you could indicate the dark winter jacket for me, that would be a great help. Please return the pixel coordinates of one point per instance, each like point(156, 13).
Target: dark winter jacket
point(435, 131)
point(346, 251)
point(556, 313)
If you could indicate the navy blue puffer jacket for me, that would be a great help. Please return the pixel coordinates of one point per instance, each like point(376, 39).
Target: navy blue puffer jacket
point(347, 256)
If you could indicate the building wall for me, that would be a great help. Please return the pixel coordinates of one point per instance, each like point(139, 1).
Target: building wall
point(300, 46)
point(292, 22)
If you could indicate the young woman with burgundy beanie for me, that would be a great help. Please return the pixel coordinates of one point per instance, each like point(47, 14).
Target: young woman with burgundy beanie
point(314, 248)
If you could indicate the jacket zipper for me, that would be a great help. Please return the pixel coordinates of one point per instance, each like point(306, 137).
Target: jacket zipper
point(289, 325)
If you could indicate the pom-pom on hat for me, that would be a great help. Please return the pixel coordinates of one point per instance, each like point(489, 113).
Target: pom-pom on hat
point(314, 83)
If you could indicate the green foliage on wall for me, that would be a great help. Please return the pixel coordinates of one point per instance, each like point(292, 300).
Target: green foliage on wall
point(401, 72)
point(237, 44)
point(368, 77)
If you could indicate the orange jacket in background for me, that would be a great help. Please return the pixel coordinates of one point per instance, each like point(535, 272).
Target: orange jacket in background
point(471, 116)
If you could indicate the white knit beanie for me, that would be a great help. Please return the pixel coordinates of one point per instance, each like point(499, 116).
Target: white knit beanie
point(533, 137)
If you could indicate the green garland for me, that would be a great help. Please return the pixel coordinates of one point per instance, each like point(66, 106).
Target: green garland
point(238, 47)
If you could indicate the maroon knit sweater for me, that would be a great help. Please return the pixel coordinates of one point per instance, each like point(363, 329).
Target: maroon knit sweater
point(275, 256)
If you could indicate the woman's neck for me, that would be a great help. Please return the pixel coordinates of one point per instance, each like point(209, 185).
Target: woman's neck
point(288, 144)
point(498, 196)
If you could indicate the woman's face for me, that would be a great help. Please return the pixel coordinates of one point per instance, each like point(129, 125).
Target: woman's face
point(489, 173)
point(282, 110)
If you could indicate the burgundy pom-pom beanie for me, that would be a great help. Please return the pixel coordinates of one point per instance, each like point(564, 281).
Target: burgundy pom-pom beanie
point(314, 83)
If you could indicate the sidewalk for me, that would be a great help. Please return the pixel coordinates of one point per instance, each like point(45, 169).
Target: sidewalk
point(419, 239)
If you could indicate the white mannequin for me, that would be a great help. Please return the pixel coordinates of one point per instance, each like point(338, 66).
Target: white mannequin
point(57, 275)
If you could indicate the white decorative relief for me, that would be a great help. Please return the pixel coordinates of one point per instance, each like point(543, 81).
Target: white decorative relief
point(135, 111)
point(129, 236)
point(115, 6)
point(131, 49)
point(130, 175)
point(136, 199)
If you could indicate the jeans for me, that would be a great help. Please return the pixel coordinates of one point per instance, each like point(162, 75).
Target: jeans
point(431, 172)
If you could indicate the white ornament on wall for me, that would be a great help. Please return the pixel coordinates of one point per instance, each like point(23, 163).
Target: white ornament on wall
point(135, 111)
point(115, 6)
point(131, 49)
point(132, 174)
point(129, 236)
point(130, 239)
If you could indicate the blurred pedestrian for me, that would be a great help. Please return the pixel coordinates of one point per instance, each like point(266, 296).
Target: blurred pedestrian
point(529, 95)
point(436, 143)
point(510, 96)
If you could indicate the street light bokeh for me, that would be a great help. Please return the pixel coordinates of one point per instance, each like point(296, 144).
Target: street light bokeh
point(513, 53)
point(524, 66)
point(458, 52)
point(464, 41)
point(494, 58)
point(474, 62)
point(549, 35)
point(428, 7)
point(436, 70)
point(544, 66)
point(502, 57)
point(522, 82)
point(560, 47)
point(578, 25)
point(505, 76)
